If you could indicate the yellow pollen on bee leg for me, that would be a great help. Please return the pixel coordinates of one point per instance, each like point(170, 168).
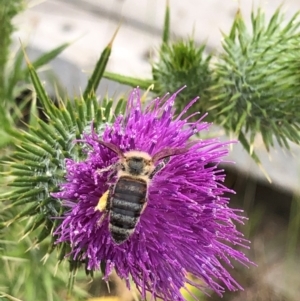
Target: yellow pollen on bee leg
point(101, 206)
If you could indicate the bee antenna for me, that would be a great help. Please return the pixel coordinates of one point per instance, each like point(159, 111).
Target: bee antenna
point(112, 147)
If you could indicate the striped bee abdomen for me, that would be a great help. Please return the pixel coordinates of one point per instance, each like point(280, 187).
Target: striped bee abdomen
point(126, 204)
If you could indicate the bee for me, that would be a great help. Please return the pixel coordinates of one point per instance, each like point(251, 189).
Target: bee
point(126, 200)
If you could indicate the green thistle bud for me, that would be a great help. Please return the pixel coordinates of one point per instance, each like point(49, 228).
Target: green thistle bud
point(38, 165)
point(256, 80)
point(182, 63)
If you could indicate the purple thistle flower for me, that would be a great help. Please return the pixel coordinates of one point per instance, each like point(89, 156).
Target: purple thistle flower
point(186, 227)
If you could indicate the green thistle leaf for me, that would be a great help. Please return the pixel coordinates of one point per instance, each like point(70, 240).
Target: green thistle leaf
point(166, 29)
point(47, 57)
point(8, 9)
point(99, 69)
point(19, 98)
point(128, 80)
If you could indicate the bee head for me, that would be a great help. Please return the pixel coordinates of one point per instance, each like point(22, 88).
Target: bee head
point(137, 163)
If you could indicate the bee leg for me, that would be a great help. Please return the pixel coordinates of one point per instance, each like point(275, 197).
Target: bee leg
point(103, 267)
point(144, 206)
point(104, 204)
point(108, 168)
point(102, 218)
point(110, 194)
point(113, 168)
point(103, 271)
point(160, 166)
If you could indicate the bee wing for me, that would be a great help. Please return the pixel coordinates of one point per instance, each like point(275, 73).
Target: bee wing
point(168, 152)
point(112, 147)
